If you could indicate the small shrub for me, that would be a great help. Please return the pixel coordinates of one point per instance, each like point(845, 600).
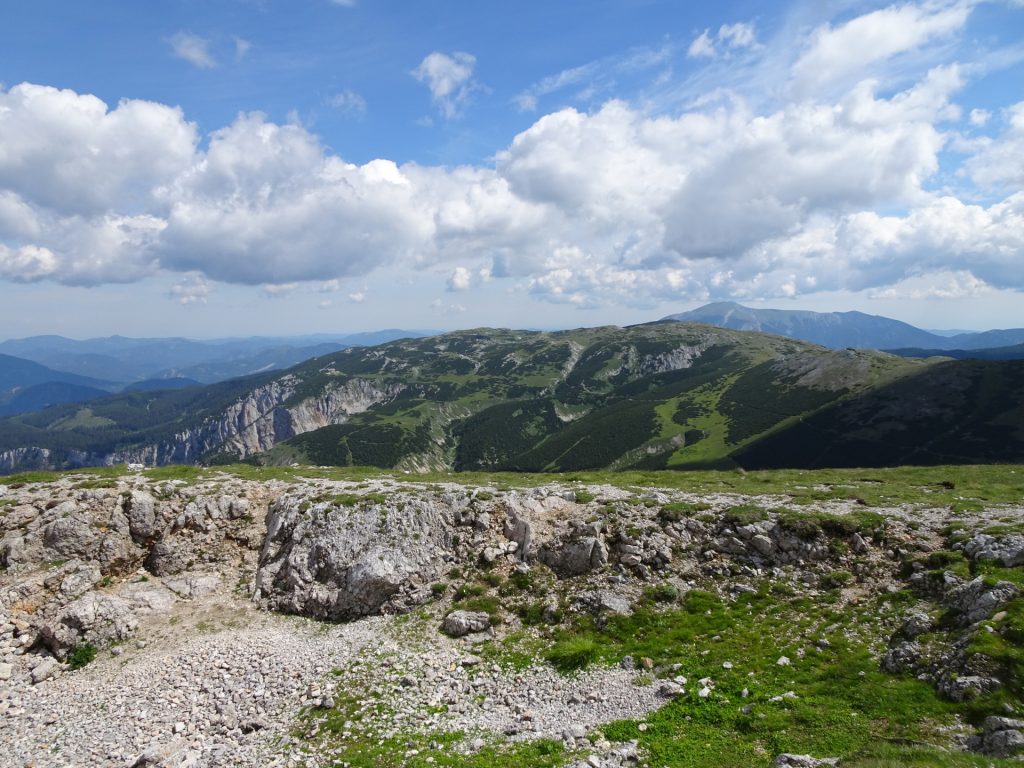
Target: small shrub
point(663, 593)
point(81, 655)
point(584, 497)
point(572, 653)
point(438, 588)
point(468, 590)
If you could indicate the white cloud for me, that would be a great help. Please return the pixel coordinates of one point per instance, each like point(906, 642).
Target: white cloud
point(595, 77)
point(449, 79)
point(957, 284)
point(460, 279)
point(70, 153)
point(618, 204)
point(703, 47)
point(26, 264)
point(729, 38)
point(980, 117)
point(837, 53)
point(738, 35)
point(348, 102)
point(324, 304)
point(193, 49)
point(274, 290)
point(192, 289)
point(344, 3)
point(999, 163)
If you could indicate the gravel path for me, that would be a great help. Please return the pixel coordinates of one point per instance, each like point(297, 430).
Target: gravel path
point(195, 694)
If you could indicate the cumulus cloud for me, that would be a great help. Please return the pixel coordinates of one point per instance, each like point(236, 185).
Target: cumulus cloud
point(26, 264)
point(837, 52)
point(449, 79)
point(722, 198)
point(460, 279)
point(193, 49)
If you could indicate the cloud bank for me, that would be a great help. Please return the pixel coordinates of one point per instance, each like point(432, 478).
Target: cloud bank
point(828, 189)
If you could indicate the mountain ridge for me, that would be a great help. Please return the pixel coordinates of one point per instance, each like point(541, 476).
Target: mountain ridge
point(842, 329)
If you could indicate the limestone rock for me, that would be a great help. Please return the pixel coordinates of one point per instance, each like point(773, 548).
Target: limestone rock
point(461, 623)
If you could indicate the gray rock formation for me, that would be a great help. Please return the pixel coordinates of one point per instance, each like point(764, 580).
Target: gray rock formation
point(976, 600)
point(461, 623)
point(578, 551)
point(342, 562)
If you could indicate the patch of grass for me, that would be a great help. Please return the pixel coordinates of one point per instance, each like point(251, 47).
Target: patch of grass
point(81, 654)
point(745, 514)
point(680, 510)
point(844, 705)
point(344, 735)
point(571, 653)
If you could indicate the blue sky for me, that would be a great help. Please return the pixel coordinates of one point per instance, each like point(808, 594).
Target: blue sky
point(244, 166)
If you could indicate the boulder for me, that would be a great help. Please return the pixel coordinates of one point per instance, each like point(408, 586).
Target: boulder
point(140, 509)
point(71, 536)
point(95, 618)
point(461, 623)
point(1001, 737)
point(976, 600)
point(579, 551)
point(520, 531)
point(601, 601)
point(343, 562)
point(44, 670)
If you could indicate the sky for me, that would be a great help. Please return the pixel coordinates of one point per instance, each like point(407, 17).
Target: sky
point(237, 167)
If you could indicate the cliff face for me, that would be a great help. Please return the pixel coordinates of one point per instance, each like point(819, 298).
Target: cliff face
point(251, 425)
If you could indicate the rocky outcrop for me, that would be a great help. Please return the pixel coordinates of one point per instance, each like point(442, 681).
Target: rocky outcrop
point(342, 561)
point(1008, 551)
point(977, 600)
point(100, 619)
point(578, 551)
point(1001, 737)
point(253, 424)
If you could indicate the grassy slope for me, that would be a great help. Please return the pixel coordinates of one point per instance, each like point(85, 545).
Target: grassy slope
point(582, 399)
point(596, 398)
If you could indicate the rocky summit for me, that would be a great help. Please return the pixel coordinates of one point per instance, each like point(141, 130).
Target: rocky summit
point(303, 618)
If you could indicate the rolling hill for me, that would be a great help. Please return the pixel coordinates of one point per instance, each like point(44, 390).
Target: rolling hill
point(659, 396)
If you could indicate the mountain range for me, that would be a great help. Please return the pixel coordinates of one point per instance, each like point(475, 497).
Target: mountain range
point(122, 360)
point(843, 329)
point(655, 396)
